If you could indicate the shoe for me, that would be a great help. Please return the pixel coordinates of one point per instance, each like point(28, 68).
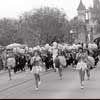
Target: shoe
point(82, 87)
point(36, 88)
point(39, 82)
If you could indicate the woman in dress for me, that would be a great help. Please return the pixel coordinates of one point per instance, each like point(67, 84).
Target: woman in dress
point(10, 63)
point(81, 67)
point(36, 68)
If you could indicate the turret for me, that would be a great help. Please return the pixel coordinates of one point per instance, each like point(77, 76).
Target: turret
point(81, 11)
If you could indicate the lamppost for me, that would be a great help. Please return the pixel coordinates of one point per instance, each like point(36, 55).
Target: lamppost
point(71, 33)
point(87, 35)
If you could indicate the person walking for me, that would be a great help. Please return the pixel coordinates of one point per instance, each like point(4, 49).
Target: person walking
point(81, 67)
point(29, 62)
point(58, 66)
point(10, 64)
point(60, 63)
point(36, 68)
point(54, 53)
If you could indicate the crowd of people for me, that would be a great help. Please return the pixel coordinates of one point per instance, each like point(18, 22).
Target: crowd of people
point(58, 56)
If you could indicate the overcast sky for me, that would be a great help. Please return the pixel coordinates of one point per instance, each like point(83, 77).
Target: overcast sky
point(14, 8)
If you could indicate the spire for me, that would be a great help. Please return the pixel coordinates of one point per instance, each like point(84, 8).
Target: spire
point(81, 6)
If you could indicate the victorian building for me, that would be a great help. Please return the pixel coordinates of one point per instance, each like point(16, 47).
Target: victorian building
point(81, 10)
point(87, 16)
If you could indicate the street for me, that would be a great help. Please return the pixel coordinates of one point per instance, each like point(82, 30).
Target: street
point(23, 86)
point(49, 34)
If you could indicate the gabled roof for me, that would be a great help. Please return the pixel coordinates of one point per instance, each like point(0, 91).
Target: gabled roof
point(81, 6)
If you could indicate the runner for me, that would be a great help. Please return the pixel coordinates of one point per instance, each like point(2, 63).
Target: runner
point(36, 68)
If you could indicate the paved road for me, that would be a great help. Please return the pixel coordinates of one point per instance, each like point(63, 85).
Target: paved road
point(23, 86)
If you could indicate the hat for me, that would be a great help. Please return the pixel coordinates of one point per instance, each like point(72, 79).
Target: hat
point(47, 46)
point(54, 44)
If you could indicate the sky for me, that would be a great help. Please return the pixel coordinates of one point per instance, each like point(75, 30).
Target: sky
point(14, 8)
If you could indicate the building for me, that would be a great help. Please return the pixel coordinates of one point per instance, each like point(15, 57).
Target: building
point(92, 19)
point(88, 16)
point(81, 10)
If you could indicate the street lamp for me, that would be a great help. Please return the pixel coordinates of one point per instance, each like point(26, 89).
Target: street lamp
point(71, 33)
point(87, 26)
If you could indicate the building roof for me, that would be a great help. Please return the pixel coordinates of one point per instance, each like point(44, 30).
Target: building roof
point(81, 6)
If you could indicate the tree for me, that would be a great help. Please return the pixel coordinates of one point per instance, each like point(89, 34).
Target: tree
point(39, 26)
point(8, 31)
point(46, 25)
point(27, 30)
point(77, 26)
